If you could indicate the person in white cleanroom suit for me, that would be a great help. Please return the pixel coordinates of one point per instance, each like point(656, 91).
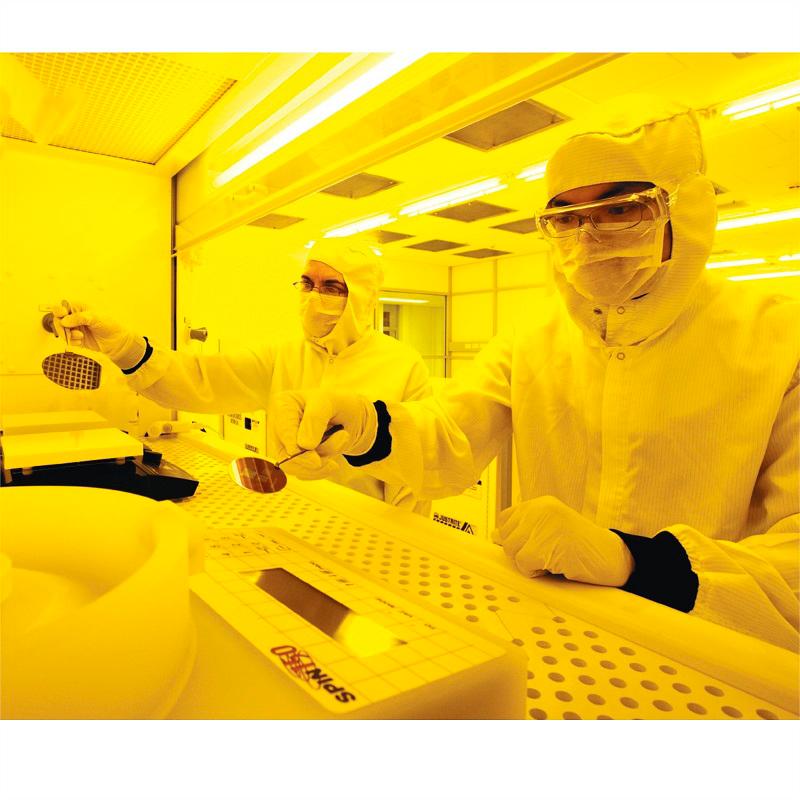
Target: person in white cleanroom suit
point(654, 410)
point(339, 349)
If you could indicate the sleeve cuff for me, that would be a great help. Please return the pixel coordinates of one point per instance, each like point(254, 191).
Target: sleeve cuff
point(383, 440)
point(663, 572)
point(148, 351)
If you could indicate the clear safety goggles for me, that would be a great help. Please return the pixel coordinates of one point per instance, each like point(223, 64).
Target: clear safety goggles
point(639, 211)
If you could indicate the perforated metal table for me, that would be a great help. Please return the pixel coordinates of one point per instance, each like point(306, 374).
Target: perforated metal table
point(593, 653)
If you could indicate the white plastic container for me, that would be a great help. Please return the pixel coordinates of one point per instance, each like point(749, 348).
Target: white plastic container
point(96, 619)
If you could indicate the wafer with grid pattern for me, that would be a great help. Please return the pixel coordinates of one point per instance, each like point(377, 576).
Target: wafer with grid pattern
point(72, 370)
point(68, 369)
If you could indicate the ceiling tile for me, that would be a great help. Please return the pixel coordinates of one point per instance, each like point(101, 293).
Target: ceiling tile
point(508, 125)
point(519, 226)
point(133, 105)
point(276, 221)
point(484, 252)
point(474, 210)
point(435, 245)
point(384, 237)
point(361, 185)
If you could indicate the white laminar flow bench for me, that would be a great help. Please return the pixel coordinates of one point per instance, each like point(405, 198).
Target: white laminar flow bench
point(321, 581)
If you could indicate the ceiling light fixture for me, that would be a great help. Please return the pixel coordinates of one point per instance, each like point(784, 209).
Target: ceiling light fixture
point(399, 300)
point(758, 219)
point(453, 197)
point(762, 275)
point(792, 257)
point(744, 262)
point(385, 69)
point(759, 103)
point(361, 225)
point(534, 173)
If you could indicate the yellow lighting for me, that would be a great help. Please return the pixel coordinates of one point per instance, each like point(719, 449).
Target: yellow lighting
point(453, 197)
point(792, 257)
point(534, 173)
point(764, 101)
point(391, 65)
point(758, 219)
point(399, 300)
point(362, 636)
point(744, 262)
point(763, 275)
point(361, 225)
point(751, 113)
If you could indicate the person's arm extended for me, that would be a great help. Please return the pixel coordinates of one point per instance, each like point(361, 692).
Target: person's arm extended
point(213, 384)
point(437, 446)
point(208, 383)
point(440, 445)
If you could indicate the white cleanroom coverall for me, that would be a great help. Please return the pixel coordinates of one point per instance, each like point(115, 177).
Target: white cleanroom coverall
point(675, 411)
point(353, 356)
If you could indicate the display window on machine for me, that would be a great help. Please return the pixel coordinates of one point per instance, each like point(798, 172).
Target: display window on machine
point(359, 634)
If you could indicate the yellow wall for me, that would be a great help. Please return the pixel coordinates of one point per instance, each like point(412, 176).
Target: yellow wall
point(83, 228)
point(492, 297)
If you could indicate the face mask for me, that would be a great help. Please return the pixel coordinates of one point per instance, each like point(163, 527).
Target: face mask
point(610, 269)
point(320, 319)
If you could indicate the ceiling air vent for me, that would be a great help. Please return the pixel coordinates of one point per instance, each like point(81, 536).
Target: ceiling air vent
point(384, 237)
point(435, 245)
point(133, 105)
point(360, 185)
point(276, 221)
point(484, 252)
point(509, 125)
point(469, 212)
point(519, 226)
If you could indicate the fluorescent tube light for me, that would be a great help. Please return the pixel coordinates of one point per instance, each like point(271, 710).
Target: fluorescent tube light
point(453, 197)
point(792, 257)
point(534, 173)
point(399, 300)
point(381, 72)
point(764, 101)
point(751, 113)
point(758, 219)
point(763, 275)
point(361, 225)
point(745, 262)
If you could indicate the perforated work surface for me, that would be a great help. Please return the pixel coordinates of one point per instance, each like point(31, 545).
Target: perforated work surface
point(576, 670)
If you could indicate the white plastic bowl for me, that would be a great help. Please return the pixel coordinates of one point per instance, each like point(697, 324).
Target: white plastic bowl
point(95, 603)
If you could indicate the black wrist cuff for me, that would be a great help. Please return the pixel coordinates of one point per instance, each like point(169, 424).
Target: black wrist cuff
point(663, 572)
point(148, 351)
point(382, 445)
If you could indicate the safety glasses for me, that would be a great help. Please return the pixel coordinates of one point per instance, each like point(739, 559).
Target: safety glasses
point(641, 210)
point(330, 292)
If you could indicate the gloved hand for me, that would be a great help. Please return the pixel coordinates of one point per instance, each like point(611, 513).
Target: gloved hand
point(297, 420)
point(86, 329)
point(545, 536)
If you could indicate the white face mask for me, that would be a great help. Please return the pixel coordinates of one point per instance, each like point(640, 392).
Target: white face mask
point(610, 269)
point(318, 319)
